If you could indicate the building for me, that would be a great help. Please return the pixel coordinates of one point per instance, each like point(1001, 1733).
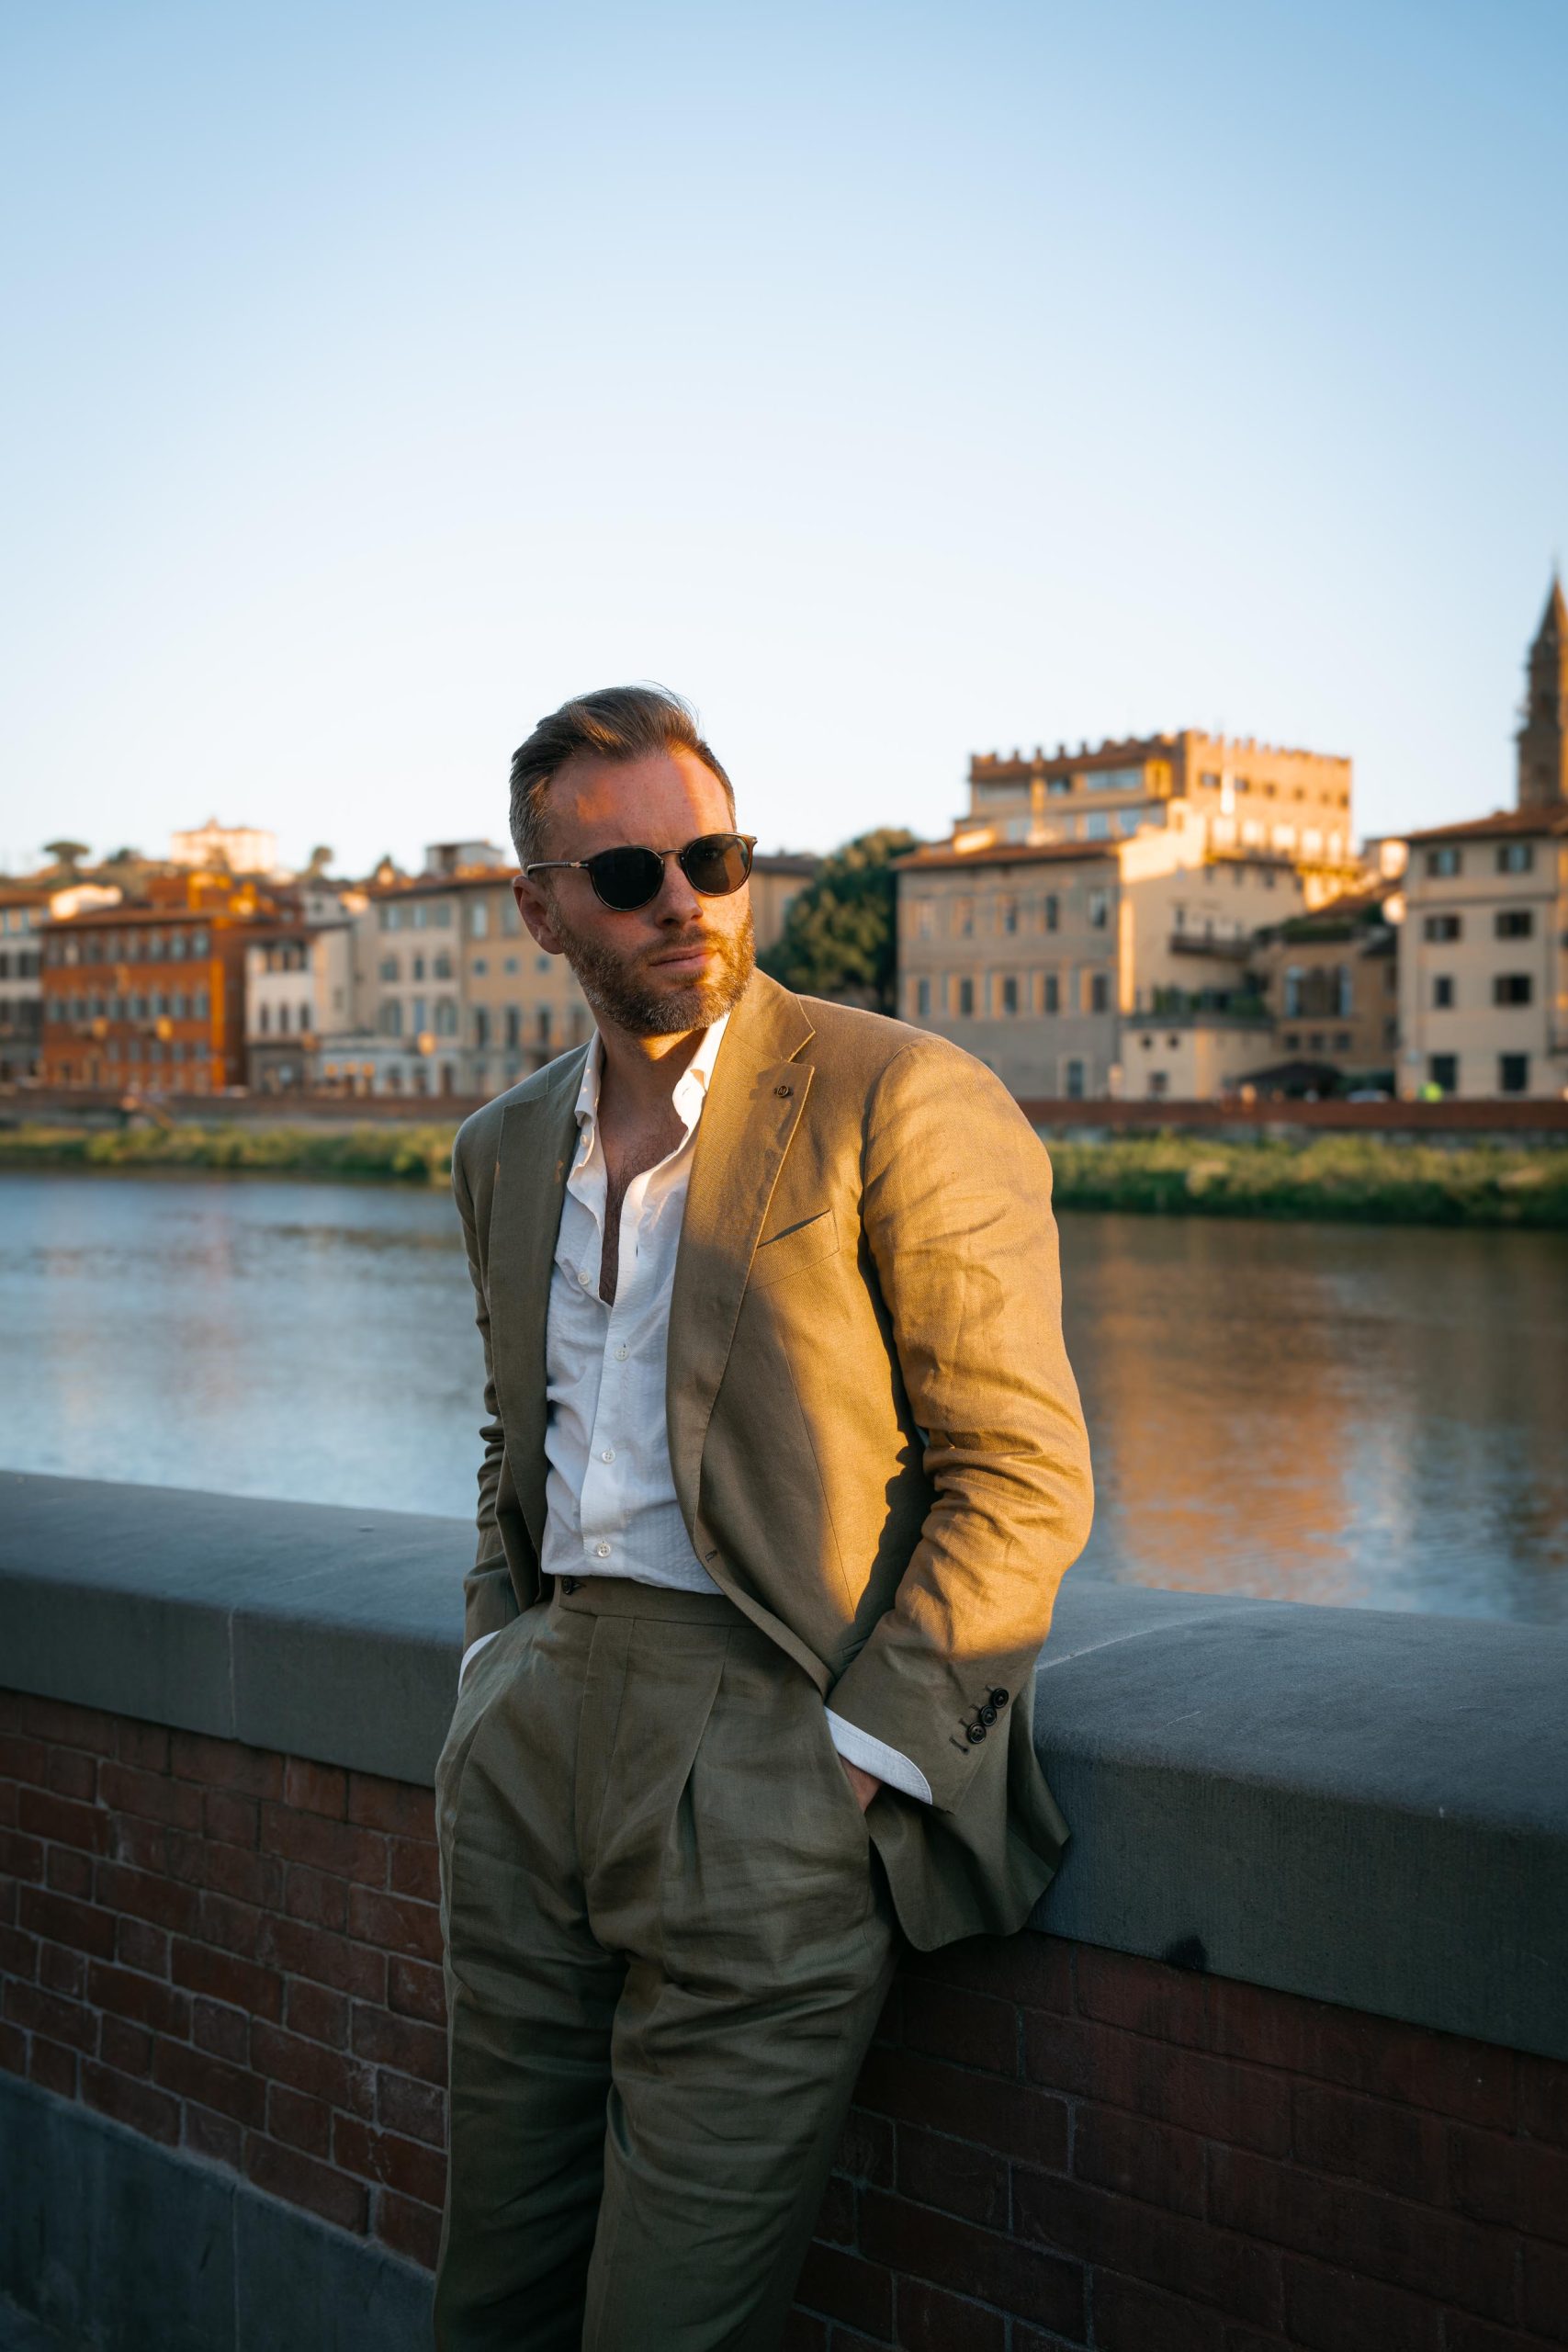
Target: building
point(1483, 999)
point(23, 908)
point(301, 998)
point(242, 849)
point(151, 995)
point(1330, 979)
point(1542, 738)
point(777, 880)
point(1081, 969)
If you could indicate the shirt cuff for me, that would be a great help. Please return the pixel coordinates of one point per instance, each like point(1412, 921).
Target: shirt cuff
point(874, 1756)
point(475, 1647)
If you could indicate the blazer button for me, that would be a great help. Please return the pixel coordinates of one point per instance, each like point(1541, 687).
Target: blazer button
point(783, 1092)
point(976, 1733)
point(999, 1698)
point(988, 1714)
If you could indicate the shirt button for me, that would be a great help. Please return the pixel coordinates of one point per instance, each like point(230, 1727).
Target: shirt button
point(602, 1550)
point(622, 1352)
point(608, 1454)
point(582, 1276)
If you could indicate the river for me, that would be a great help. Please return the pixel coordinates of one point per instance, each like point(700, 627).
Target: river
point(1371, 1415)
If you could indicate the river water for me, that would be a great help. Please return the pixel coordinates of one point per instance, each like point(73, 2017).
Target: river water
point(1375, 1417)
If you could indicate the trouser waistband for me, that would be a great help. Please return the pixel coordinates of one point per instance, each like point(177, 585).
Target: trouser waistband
point(623, 1597)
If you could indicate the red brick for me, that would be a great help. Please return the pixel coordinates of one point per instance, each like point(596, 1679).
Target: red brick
point(298, 2122)
point(980, 2264)
point(218, 2138)
point(414, 1990)
point(231, 1820)
point(303, 2180)
point(146, 2000)
point(225, 1764)
point(409, 2229)
point(315, 1788)
point(151, 1796)
point(416, 2110)
point(301, 1950)
point(145, 1845)
point(19, 1956)
point(224, 1976)
point(136, 1945)
point(1543, 2291)
point(194, 2074)
point(1330, 2310)
point(395, 1922)
point(318, 2014)
point(52, 2067)
point(221, 2032)
point(1160, 2249)
point(1246, 2106)
point(39, 1815)
point(396, 1806)
point(234, 1926)
point(1543, 2098)
point(335, 1847)
point(1149, 2161)
point(63, 1970)
point(71, 1726)
point(69, 1873)
point(7, 1804)
point(1016, 2118)
point(21, 1858)
point(1390, 2146)
point(1143, 1996)
point(1382, 2237)
point(414, 1869)
point(306, 2066)
point(1131, 2317)
point(58, 1919)
point(71, 1773)
point(146, 1896)
point(233, 1871)
point(407, 2166)
point(1516, 2183)
point(40, 2012)
point(954, 2175)
point(319, 1899)
point(802, 2333)
point(127, 2048)
point(1035, 1971)
point(22, 1760)
point(835, 2216)
point(931, 2319)
point(866, 2148)
point(1479, 2335)
point(1472, 2081)
point(847, 2288)
point(150, 2112)
point(144, 1744)
point(965, 2027)
point(399, 2042)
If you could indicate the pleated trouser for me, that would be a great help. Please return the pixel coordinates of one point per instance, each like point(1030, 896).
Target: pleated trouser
point(668, 1943)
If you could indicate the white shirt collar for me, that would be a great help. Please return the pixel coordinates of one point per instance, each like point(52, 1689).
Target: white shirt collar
point(691, 1088)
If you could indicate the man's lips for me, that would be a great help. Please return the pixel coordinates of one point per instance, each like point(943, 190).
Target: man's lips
point(683, 959)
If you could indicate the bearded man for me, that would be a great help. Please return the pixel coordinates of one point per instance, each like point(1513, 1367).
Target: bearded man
point(784, 1463)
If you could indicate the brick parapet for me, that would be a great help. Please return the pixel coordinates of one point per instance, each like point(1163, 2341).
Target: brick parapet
point(235, 1953)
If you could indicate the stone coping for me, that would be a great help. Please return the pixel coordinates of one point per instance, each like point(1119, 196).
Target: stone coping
point(1364, 1807)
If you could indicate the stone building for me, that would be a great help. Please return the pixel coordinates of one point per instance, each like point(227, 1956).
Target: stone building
point(300, 997)
point(1543, 732)
point(1485, 965)
point(1330, 979)
point(23, 908)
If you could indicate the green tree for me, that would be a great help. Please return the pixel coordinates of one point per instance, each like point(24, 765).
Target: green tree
point(66, 854)
point(838, 935)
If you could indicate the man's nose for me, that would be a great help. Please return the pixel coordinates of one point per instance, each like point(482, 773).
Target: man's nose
point(677, 901)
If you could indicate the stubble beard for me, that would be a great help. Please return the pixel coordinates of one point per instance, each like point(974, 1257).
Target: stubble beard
point(621, 988)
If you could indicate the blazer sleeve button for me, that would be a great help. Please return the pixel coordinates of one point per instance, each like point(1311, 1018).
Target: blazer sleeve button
point(976, 1734)
point(988, 1714)
point(999, 1698)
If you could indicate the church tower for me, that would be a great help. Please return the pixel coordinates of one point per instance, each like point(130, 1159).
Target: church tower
point(1543, 738)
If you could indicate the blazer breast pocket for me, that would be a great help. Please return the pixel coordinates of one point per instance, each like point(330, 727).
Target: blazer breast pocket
point(798, 1246)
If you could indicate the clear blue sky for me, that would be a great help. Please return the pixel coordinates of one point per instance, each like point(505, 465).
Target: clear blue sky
point(895, 380)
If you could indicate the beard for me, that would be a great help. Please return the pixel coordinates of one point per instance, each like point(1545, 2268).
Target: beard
point(622, 988)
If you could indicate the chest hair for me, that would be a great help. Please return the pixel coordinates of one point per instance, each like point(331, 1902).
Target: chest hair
point(627, 1157)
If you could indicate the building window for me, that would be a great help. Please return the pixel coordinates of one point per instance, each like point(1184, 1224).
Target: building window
point(1512, 988)
point(1343, 1006)
point(1097, 826)
point(1513, 1073)
point(514, 1025)
point(388, 967)
point(1053, 911)
point(1443, 992)
point(1443, 927)
point(392, 1019)
point(1052, 994)
point(1342, 1041)
point(966, 999)
point(922, 998)
point(1444, 862)
point(1100, 992)
point(1073, 1081)
point(1099, 909)
point(481, 1025)
point(1295, 982)
point(1514, 923)
point(445, 1016)
point(1010, 915)
point(478, 918)
point(1516, 857)
point(963, 917)
point(1010, 992)
point(1159, 1081)
point(442, 967)
point(479, 968)
point(1442, 1072)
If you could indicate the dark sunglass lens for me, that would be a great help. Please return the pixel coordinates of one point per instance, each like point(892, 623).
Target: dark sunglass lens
point(626, 878)
point(716, 863)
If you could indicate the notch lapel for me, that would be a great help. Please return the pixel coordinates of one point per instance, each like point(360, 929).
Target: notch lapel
point(753, 1107)
point(538, 1142)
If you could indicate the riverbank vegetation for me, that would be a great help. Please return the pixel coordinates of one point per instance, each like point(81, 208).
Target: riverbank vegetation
point(1370, 1178)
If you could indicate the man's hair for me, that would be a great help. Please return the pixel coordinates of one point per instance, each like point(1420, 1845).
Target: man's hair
point(618, 723)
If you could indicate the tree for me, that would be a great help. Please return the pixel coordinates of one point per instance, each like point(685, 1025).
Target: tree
point(68, 855)
point(320, 860)
point(838, 935)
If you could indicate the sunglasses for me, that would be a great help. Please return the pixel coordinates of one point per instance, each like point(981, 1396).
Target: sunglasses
point(714, 864)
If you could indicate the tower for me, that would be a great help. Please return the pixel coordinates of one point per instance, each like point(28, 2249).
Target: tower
point(1543, 738)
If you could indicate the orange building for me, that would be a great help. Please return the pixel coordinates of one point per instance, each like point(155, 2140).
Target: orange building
point(151, 995)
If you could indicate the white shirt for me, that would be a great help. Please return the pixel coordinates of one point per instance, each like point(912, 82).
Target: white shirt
point(611, 1507)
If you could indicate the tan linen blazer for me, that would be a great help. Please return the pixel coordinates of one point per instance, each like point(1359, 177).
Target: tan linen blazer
point(873, 1429)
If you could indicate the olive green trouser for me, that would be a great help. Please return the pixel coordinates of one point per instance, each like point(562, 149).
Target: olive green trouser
point(668, 1943)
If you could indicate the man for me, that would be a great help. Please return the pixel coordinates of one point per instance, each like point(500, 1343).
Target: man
point(784, 1463)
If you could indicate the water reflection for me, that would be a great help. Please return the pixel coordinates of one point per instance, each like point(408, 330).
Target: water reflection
point(1325, 1413)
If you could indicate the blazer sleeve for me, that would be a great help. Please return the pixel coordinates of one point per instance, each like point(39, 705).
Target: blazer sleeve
point(956, 1211)
point(490, 1599)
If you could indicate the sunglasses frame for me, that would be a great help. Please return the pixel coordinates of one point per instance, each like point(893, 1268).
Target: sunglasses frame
point(586, 865)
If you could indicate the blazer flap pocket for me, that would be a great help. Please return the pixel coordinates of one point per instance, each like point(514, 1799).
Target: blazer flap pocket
point(798, 1245)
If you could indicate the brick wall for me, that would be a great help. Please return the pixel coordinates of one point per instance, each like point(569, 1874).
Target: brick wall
point(1052, 2147)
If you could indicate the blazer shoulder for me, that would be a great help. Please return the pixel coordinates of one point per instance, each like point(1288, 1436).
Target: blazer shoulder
point(871, 1042)
point(478, 1137)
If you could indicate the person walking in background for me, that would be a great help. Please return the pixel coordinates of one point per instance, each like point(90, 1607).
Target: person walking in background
point(784, 1463)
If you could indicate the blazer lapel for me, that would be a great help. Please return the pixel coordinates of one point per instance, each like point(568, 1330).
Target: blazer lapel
point(753, 1107)
point(538, 1142)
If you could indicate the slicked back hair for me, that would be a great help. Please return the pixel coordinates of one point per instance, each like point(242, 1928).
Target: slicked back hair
point(616, 723)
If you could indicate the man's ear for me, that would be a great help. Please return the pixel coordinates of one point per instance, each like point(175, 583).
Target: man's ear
point(534, 906)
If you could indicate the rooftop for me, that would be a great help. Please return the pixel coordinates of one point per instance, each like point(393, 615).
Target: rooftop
point(1504, 824)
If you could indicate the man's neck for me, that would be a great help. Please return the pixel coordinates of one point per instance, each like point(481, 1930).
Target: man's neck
point(639, 1075)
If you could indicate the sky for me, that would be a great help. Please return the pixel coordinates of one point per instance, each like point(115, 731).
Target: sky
point(895, 381)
